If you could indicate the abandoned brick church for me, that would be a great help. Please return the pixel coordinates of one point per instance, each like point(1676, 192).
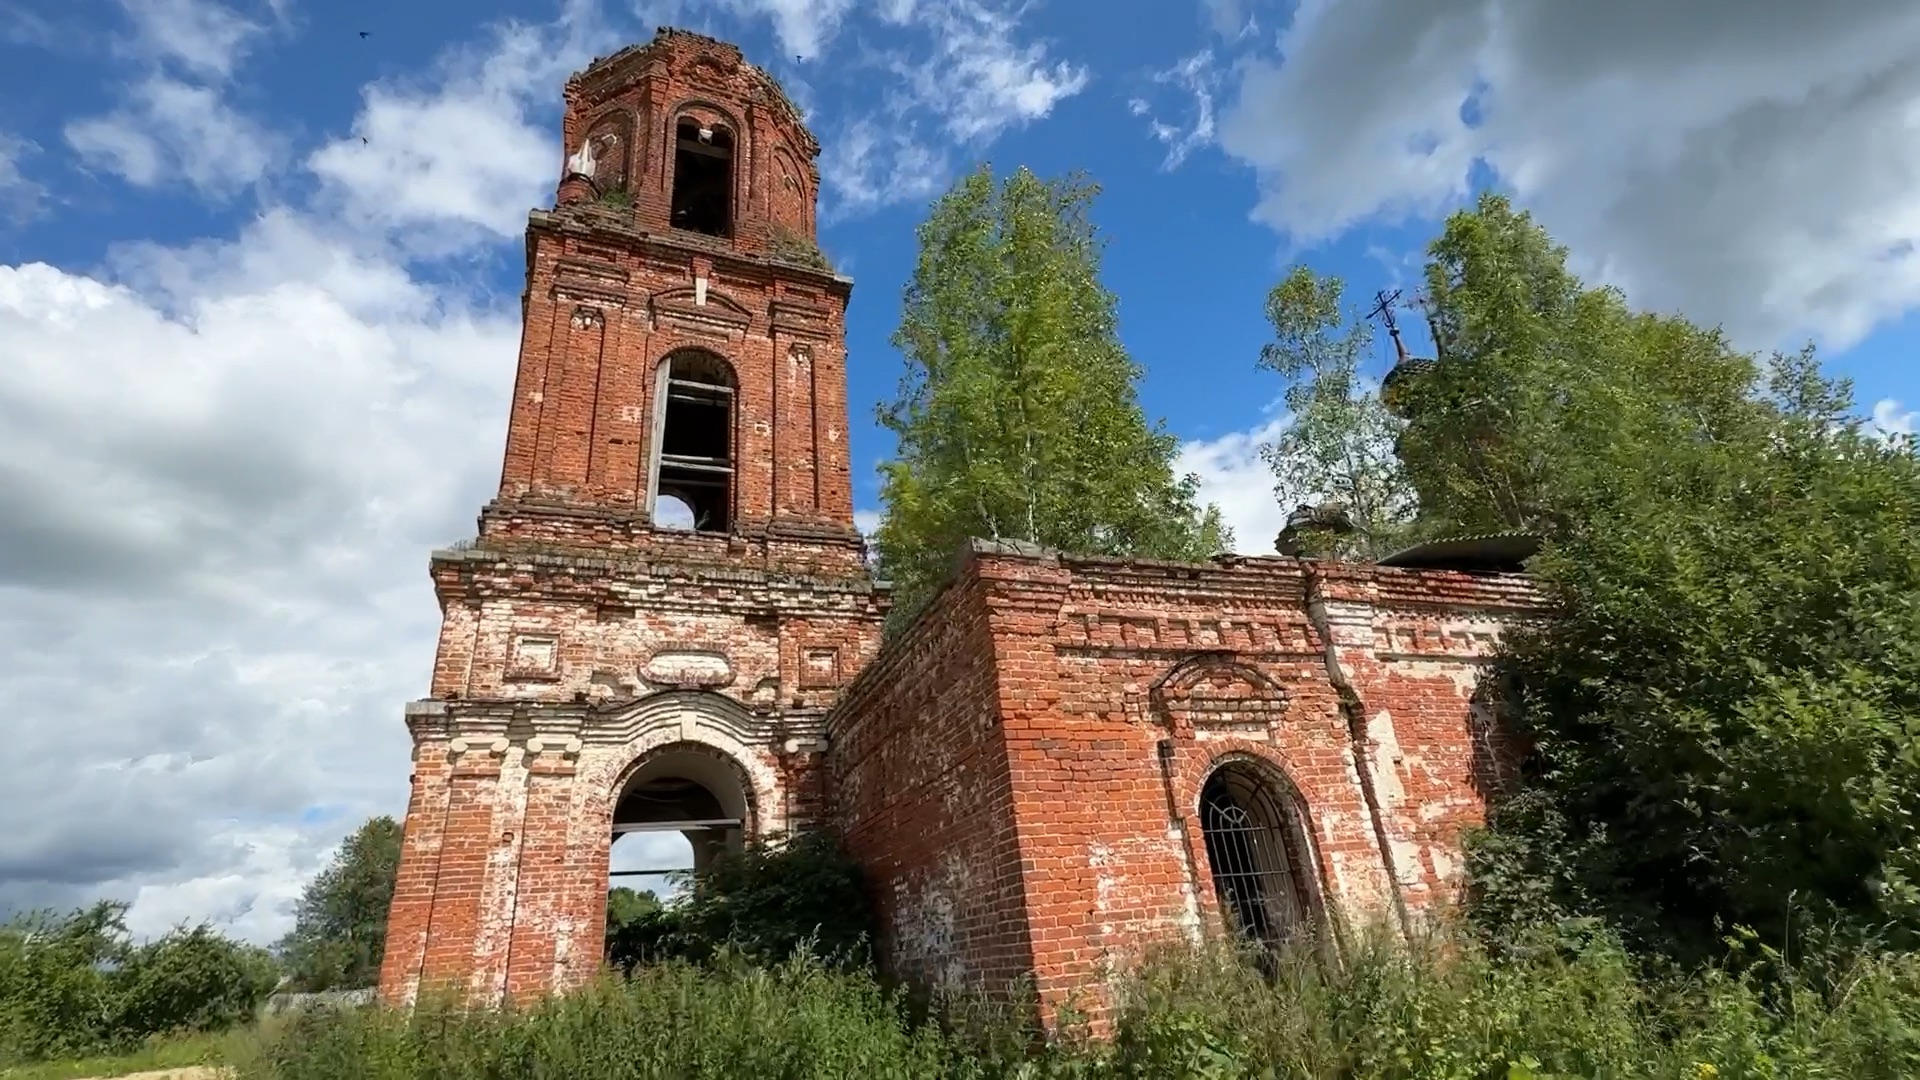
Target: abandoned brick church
point(1059, 760)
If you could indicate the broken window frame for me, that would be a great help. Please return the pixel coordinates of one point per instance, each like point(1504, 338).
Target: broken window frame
point(723, 148)
point(674, 474)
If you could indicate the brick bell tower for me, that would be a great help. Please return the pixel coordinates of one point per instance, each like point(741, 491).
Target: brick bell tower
point(668, 590)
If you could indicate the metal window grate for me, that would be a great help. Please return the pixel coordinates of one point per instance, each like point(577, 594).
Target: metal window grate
point(1251, 849)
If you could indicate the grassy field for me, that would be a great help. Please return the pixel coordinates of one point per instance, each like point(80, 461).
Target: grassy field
point(160, 1056)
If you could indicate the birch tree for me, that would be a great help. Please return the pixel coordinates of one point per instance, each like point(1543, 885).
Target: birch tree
point(1017, 416)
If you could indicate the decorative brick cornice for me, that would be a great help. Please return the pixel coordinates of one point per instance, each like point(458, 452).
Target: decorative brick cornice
point(592, 221)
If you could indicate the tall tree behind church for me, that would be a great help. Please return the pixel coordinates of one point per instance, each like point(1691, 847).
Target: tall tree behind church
point(340, 925)
point(1017, 416)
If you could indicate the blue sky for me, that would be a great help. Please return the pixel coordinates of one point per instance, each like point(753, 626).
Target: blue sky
point(259, 281)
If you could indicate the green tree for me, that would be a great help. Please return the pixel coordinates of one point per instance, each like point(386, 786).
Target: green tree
point(1017, 417)
point(76, 984)
point(1339, 442)
point(626, 907)
point(340, 925)
point(1547, 391)
point(1723, 700)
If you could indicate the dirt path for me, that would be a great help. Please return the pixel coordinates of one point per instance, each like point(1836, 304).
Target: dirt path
point(189, 1073)
point(195, 1072)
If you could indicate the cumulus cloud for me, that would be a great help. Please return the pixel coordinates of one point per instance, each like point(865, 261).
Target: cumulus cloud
point(172, 128)
point(168, 131)
point(227, 459)
point(458, 158)
point(1890, 418)
point(203, 37)
point(1235, 478)
point(1751, 165)
point(215, 562)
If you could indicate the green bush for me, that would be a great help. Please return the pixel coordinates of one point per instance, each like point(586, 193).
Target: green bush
point(775, 898)
point(76, 985)
point(726, 1019)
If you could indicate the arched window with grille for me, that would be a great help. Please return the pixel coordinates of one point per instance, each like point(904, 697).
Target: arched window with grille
point(1256, 849)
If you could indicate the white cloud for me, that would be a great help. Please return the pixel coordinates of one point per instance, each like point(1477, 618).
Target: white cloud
point(867, 521)
point(1198, 81)
point(979, 79)
point(1756, 166)
point(170, 130)
point(20, 196)
point(247, 894)
point(1235, 478)
point(956, 74)
point(226, 459)
point(206, 38)
point(443, 164)
point(804, 27)
point(1231, 19)
point(1890, 419)
point(215, 557)
point(870, 164)
point(650, 851)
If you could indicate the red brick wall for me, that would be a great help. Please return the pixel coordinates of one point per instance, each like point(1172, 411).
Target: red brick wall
point(576, 640)
point(606, 305)
point(1097, 662)
point(646, 89)
point(558, 671)
point(922, 795)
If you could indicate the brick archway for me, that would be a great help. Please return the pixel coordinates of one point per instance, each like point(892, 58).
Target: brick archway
point(688, 787)
point(1257, 839)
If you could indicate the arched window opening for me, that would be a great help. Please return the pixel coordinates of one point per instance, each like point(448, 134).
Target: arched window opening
point(702, 179)
point(1254, 849)
point(688, 791)
point(693, 443)
point(680, 809)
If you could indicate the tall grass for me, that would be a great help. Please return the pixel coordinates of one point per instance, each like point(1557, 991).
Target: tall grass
point(1440, 1009)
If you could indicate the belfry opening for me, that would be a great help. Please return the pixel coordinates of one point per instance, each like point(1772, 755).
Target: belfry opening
point(693, 439)
point(702, 178)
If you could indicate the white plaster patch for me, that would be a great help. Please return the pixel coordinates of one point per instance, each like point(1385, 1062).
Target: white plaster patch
point(688, 668)
point(1101, 860)
point(1406, 861)
point(1386, 758)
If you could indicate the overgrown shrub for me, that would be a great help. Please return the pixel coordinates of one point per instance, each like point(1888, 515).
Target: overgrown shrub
point(1440, 1009)
point(77, 984)
point(764, 903)
point(725, 1019)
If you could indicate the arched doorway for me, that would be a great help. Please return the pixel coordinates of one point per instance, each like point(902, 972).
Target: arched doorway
point(678, 809)
point(1258, 855)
